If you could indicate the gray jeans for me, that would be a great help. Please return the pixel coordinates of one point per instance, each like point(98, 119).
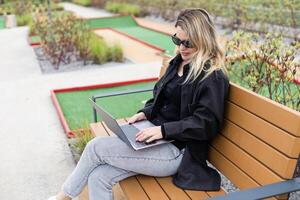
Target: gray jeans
point(107, 160)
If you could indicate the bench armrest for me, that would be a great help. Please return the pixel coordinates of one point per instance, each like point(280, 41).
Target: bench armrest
point(111, 94)
point(262, 192)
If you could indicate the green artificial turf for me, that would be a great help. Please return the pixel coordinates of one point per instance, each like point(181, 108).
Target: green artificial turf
point(152, 37)
point(35, 39)
point(112, 22)
point(2, 22)
point(77, 108)
point(128, 26)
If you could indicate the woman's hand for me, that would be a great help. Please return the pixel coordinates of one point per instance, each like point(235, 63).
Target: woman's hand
point(137, 117)
point(149, 134)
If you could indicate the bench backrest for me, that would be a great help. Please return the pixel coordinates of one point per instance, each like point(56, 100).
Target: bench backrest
point(260, 141)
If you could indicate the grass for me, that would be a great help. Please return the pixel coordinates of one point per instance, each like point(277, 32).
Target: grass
point(35, 39)
point(83, 2)
point(127, 25)
point(112, 22)
point(83, 136)
point(78, 111)
point(101, 53)
point(24, 20)
point(2, 22)
point(123, 8)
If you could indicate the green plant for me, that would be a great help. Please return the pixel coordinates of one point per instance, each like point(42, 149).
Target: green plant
point(83, 2)
point(32, 28)
point(59, 37)
point(66, 38)
point(101, 53)
point(123, 8)
point(266, 66)
point(99, 50)
point(116, 53)
point(82, 136)
point(23, 20)
point(255, 15)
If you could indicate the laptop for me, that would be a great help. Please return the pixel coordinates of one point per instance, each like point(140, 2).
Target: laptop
point(127, 132)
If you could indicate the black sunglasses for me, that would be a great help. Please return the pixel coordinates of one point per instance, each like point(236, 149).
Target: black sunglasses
point(178, 42)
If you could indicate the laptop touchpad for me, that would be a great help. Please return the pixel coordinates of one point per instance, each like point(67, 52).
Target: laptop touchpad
point(143, 124)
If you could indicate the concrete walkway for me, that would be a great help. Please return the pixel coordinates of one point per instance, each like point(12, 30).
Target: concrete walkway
point(35, 157)
point(86, 12)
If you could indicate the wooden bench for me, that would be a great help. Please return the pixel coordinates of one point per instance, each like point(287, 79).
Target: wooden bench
point(259, 145)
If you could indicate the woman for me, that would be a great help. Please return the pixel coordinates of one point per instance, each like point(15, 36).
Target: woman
point(187, 107)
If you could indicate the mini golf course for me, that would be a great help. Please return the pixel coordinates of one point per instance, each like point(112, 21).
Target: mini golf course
point(77, 110)
point(128, 26)
point(2, 22)
point(34, 40)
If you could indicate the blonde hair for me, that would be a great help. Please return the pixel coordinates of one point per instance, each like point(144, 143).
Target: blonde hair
point(202, 34)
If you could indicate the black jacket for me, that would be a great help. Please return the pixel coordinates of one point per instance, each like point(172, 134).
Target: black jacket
point(201, 118)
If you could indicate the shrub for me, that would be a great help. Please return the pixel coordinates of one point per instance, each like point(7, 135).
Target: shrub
point(24, 20)
point(101, 53)
point(98, 50)
point(65, 39)
point(7, 9)
point(266, 66)
point(83, 2)
point(123, 8)
point(32, 28)
point(59, 37)
point(116, 53)
point(82, 136)
point(261, 16)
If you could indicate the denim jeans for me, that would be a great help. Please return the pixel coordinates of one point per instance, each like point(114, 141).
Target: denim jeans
point(107, 160)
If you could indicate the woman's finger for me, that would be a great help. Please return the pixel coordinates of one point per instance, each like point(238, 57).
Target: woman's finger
point(139, 136)
point(151, 139)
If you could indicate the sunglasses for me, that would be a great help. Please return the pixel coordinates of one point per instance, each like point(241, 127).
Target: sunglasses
point(178, 42)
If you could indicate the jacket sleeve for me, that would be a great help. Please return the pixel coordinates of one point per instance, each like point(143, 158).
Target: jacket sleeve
point(207, 112)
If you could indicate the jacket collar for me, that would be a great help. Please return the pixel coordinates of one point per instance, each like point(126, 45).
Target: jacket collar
point(177, 61)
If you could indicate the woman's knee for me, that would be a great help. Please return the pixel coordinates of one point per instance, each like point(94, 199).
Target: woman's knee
point(99, 176)
point(96, 141)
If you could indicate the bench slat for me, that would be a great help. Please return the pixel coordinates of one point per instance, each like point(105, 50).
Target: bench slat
point(151, 187)
point(173, 191)
point(272, 158)
point(196, 195)
point(266, 109)
point(231, 171)
point(132, 189)
point(245, 162)
point(264, 130)
point(97, 129)
point(216, 193)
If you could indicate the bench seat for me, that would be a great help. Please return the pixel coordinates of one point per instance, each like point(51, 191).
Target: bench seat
point(258, 145)
point(145, 187)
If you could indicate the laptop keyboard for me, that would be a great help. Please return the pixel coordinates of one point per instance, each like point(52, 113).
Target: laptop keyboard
point(131, 131)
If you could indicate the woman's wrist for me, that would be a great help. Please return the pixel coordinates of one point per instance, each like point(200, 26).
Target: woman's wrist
point(142, 115)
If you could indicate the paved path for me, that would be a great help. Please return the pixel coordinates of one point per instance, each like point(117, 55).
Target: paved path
point(35, 157)
point(86, 12)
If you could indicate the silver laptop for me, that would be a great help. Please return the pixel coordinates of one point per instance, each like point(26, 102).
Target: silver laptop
point(127, 132)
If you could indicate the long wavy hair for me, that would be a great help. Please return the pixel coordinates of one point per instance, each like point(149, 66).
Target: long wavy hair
point(202, 34)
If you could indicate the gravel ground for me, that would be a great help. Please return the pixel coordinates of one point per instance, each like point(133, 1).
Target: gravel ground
point(47, 68)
